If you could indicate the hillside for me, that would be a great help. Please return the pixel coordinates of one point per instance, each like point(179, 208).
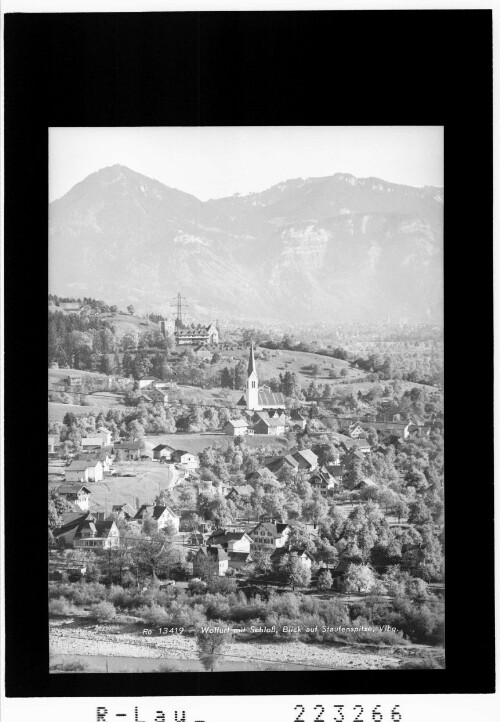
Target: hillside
point(335, 248)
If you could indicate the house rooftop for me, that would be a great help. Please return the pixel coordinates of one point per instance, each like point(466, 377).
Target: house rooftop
point(307, 455)
point(242, 489)
point(129, 445)
point(238, 423)
point(72, 489)
point(214, 551)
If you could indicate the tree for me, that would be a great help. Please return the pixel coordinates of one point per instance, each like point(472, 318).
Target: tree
point(104, 366)
point(211, 648)
point(419, 513)
point(141, 366)
point(316, 509)
point(240, 375)
point(300, 537)
point(227, 379)
point(262, 563)
point(155, 555)
point(344, 371)
point(136, 429)
point(290, 384)
point(57, 506)
point(294, 571)
point(131, 310)
point(69, 419)
point(359, 578)
point(325, 581)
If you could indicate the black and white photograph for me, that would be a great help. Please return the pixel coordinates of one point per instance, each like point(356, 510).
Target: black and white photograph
point(265, 366)
point(245, 399)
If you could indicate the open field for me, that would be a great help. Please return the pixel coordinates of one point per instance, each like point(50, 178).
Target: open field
point(293, 361)
point(57, 411)
point(123, 323)
point(55, 376)
point(149, 479)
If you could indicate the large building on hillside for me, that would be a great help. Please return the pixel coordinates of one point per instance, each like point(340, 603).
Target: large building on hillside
point(256, 399)
point(194, 335)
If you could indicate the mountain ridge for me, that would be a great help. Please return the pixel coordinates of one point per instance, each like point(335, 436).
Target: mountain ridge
point(321, 248)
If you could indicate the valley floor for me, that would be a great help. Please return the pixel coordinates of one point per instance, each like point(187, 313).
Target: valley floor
point(70, 641)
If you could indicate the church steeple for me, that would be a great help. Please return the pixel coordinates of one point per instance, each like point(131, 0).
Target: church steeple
point(252, 384)
point(251, 361)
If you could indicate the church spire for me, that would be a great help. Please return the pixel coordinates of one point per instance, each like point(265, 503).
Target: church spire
point(252, 396)
point(251, 362)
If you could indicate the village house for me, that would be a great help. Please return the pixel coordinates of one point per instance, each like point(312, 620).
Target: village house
point(298, 419)
point(123, 511)
point(76, 494)
point(356, 430)
point(306, 559)
point(236, 427)
point(84, 471)
point(337, 570)
point(159, 396)
point(94, 456)
point(93, 534)
point(279, 463)
point(353, 455)
point(128, 450)
point(210, 561)
point(146, 382)
point(360, 445)
point(230, 541)
point(162, 514)
point(269, 535)
point(323, 482)
point(203, 353)
point(366, 484)
point(260, 474)
point(163, 451)
point(106, 435)
point(70, 521)
point(306, 459)
point(239, 492)
point(91, 442)
point(248, 415)
point(187, 460)
point(337, 471)
point(274, 426)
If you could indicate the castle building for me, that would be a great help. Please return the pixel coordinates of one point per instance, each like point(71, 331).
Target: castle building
point(195, 335)
point(256, 399)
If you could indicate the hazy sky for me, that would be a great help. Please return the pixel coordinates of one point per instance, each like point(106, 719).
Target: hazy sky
point(212, 162)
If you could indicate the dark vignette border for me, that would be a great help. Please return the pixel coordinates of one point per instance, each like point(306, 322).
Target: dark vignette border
point(273, 68)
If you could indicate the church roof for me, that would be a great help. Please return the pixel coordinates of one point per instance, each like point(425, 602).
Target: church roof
point(270, 398)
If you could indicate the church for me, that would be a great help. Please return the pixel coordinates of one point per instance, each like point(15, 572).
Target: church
point(256, 399)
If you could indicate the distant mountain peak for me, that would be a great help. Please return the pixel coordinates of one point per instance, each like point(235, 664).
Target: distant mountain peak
point(306, 249)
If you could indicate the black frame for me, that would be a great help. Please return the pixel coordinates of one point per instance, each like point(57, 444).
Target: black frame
point(254, 68)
